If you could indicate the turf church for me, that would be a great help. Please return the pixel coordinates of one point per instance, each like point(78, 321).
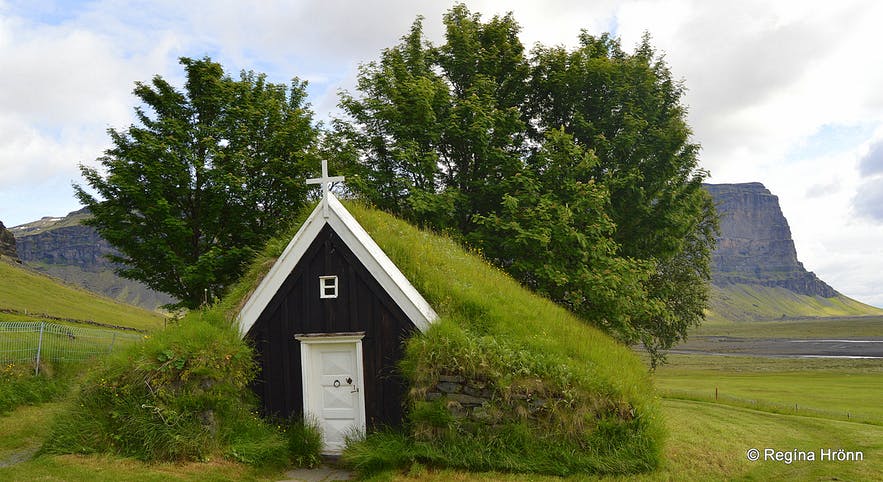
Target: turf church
point(328, 323)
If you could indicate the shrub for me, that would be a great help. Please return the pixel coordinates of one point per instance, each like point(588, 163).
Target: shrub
point(182, 394)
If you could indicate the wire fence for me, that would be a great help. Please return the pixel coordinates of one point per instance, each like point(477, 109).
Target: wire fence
point(770, 406)
point(25, 342)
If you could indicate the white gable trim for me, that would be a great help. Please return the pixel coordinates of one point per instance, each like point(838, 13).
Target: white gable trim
point(330, 211)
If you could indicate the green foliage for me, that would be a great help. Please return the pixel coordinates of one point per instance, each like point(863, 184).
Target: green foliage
point(180, 395)
point(551, 233)
point(20, 386)
point(304, 443)
point(571, 169)
point(205, 177)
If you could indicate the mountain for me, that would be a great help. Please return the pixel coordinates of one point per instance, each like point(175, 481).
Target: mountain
point(755, 271)
point(67, 249)
point(7, 243)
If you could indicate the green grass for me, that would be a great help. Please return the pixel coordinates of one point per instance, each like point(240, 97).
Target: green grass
point(19, 385)
point(105, 281)
point(710, 442)
point(107, 468)
point(742, 302)
point(27, 292)
point(706, 442)
point(23, 430)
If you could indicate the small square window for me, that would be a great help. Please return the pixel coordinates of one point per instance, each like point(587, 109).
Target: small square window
point(327, 286)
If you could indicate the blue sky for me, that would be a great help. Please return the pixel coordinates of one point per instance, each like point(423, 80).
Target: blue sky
point(787, 93)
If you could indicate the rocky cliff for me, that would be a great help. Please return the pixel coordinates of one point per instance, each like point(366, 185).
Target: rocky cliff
point(67, 249)
point(7, 243)
point(755, 245)
point(63, 241)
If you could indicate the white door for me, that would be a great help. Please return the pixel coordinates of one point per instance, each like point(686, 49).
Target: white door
point(333, 387)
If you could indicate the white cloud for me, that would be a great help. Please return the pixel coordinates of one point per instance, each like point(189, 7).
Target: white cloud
point(772, 86)
point(872, 162)
point(64, 84)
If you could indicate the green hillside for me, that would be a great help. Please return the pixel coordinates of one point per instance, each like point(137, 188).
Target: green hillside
point(751, 302)
point(30, 295)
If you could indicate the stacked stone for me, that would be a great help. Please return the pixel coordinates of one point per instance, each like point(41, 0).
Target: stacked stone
point(474, 400)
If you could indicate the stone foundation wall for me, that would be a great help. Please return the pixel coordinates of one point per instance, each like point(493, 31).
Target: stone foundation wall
point(476, 401)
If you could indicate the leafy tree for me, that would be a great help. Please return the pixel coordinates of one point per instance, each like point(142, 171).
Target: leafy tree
point(572, 169)
point(627, 110)
point(553, 234)
point(205, 176)
point(438, 129)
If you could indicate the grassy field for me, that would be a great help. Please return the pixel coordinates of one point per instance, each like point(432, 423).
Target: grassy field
point(839, 327)
point(28, 292)
point(710, 442)
point(842, 389)
point(821, 386)
point(706, 442)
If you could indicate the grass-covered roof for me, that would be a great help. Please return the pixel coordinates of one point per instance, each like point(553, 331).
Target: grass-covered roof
point(493, 329)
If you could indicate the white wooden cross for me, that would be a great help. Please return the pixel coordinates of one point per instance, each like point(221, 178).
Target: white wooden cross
point(325, 183)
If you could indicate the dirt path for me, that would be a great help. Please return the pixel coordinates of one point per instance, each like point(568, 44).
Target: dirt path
point(18, 456)
point(320, 474)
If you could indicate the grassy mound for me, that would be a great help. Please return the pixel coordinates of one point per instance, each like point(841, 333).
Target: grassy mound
point(180, 395)
point(562, 397)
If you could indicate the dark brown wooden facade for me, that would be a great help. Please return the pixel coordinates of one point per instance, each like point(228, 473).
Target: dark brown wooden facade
point(362, 305)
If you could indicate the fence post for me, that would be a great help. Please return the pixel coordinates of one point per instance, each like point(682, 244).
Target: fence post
point(39, 347)
point(112, 340)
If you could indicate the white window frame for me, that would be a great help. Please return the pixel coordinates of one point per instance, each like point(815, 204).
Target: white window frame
point(324, 285)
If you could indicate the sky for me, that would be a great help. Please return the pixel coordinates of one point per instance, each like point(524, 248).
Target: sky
point(787, 93)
